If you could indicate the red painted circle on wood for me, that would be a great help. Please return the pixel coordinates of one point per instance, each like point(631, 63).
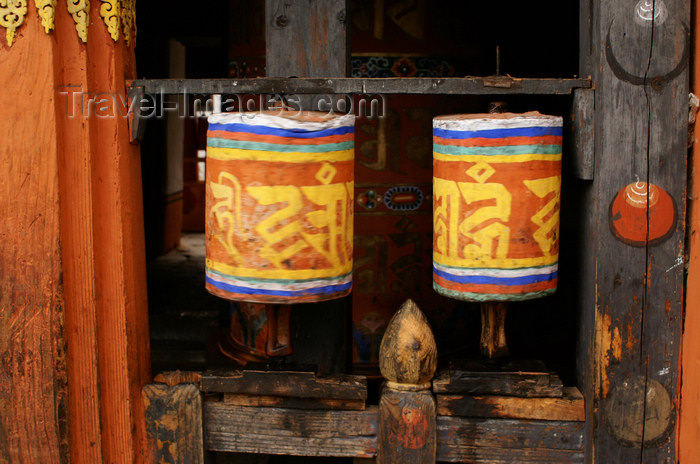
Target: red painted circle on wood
point(629, 218)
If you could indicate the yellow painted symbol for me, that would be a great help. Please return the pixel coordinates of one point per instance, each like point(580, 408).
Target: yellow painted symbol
point(332, 220)
point(545, 234)
point(480, 172)
point(446, 217)
point(490, 238)
point(277, 226)
point(326, 174)
point(227, 211)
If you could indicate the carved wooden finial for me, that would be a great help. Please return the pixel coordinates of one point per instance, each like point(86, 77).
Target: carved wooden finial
point(408, 354)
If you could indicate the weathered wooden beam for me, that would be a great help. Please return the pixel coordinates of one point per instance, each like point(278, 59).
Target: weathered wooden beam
point(407, 359)
point(571, 407)
point(296, 403)
point(174, 423)
point(286, 384)
point(297, 432)
point(515, 378)
point(583, 139)
point(504, 441)
point(501, 85)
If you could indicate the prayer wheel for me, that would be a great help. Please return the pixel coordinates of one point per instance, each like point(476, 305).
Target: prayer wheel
point(279, 206)
point(496, 189)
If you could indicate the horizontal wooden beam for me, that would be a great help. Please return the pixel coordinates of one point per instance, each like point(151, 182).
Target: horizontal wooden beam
point(495, 85)
point(300, 432)
point(297, 432)
point(286, 384)
point(571, 407)
point(504, 441)
point(518, 378)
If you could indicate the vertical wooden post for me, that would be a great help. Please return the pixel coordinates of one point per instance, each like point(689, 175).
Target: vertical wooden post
point(407, 417)
point(174, 430)
point(632, 283)
point(493, 330)
point(307, 38)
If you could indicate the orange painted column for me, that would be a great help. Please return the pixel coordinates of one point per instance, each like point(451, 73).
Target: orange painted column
point(32, 350)
point(689, 434)
point(74, 344)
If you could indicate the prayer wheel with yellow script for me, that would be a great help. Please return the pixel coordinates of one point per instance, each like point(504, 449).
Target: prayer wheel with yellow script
point(496, 189)
point(279, 221)
point(279, 206)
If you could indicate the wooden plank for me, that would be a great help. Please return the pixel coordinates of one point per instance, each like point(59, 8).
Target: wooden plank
point(174, 423)
point(295, 432)
point(508, 441)
point(285, 383)
point(362, 86)
point(177, 377)
point(689, 431)
point(310, 38)
point(33, 394)
point(639, 68)
point(524, 379)
point(407, 430)
point(569, 408)
point(305, 25)
point(294, 403)
point(583, 140)
point(664, 291)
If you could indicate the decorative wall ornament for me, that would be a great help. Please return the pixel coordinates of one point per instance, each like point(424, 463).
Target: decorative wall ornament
point(47, 13)
point(128, 13)
point(117, 14)
point(80, 10)
point(12, 14)
point(109, 11)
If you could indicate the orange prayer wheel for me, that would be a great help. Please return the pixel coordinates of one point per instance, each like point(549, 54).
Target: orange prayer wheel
point(279, 206)
point(496, 200)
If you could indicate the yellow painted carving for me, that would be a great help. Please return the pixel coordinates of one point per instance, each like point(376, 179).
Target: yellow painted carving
point(269, 228)
point(47, 13)
point(12, 13)
point(128, 17)
point(109, 11)
point(80, 10)
point(227, 211)
point(542, 188)
point(472, 226)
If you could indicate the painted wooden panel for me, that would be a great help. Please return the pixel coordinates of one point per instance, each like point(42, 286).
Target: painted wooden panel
point(632, 287)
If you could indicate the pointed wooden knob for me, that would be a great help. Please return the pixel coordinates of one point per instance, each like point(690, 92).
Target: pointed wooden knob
point(408, 354)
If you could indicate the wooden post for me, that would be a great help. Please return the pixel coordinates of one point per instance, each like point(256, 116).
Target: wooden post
point(493, 330)
point(173, 413)
point(407, 418)
point(632, 277)
point(307, 38)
